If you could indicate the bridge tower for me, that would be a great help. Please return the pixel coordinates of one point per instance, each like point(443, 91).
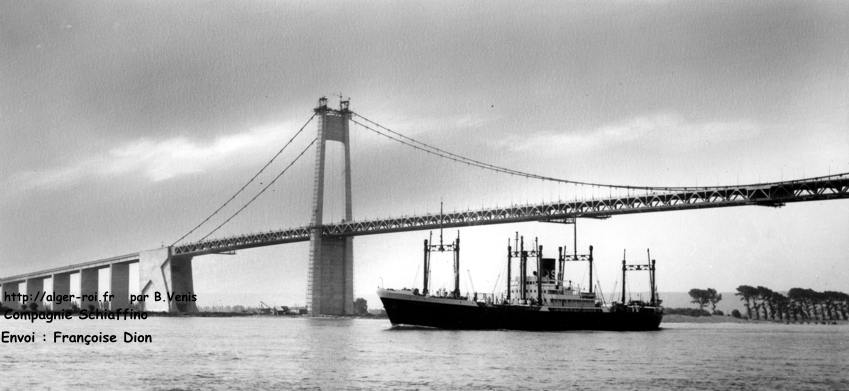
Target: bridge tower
point(330, 281)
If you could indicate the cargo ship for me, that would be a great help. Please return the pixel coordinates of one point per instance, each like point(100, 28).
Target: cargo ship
point(542, 300)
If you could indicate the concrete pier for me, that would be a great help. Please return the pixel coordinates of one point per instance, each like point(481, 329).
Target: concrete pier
point(332, 291)
point(10, 288)
point(35, 287)
point(62, 286)
point(119, 285)
point(161, 272)
point(89, 281)
point(182, 284)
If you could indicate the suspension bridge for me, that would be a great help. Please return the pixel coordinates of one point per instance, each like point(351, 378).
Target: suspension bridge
point(168, 270)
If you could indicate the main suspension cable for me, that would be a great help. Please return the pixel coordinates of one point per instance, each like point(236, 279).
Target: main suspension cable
point(247, 183)
point(427, 148)
point(261, 191)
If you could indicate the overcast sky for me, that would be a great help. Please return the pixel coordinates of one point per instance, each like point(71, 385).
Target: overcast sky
point(123, 124)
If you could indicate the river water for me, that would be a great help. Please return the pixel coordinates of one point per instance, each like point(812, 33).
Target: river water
point(302, 353)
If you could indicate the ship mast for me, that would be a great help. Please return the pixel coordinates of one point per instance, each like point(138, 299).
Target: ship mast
point(426, 263)
point(523, 267)
point(509, 258)
point(652, 282)
point(539, 270)
point(518, 251)
point(650, 267)
point(591, 269)
point(430, 247)
point(456, 249)
point(563, 258)
point(560, 266)
point(623, 276)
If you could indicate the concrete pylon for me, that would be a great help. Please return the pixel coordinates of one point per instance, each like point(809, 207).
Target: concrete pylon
point(330, 283)
point(166, 274)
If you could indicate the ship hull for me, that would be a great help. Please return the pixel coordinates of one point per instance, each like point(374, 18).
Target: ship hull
point(411, 310)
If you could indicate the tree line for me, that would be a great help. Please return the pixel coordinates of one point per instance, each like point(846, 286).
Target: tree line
point(703, 297)
point(800, 304)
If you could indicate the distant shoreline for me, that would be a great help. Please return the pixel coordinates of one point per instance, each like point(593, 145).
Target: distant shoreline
point(675, 318)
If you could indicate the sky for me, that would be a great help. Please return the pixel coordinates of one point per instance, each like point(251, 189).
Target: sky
point(124, 124)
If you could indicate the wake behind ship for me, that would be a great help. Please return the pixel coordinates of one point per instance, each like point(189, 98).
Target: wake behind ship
point(540, 301)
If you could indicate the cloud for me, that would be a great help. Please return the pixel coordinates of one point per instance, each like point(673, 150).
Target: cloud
point(659, 131)
point(158, 160)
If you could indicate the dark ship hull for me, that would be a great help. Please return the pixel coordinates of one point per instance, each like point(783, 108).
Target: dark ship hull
point(405, 308)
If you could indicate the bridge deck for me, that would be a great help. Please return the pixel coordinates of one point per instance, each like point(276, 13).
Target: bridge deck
point(766, 195)
point(71, 268)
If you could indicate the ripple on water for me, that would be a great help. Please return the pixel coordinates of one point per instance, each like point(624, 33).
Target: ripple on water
point(291, 353)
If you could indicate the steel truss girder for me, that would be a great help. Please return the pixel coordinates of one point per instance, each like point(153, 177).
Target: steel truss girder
point(767, 195)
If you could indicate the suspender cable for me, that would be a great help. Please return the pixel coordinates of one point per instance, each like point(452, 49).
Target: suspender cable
point(261, 191)
point(424, 147)
point(247, 183)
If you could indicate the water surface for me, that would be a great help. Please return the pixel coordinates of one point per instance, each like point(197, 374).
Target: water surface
point(303, 353)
